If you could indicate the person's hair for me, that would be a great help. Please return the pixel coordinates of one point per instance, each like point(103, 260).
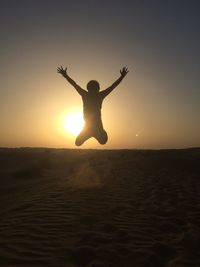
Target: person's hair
point(93, 86)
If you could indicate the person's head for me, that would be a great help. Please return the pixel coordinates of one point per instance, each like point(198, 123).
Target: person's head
point(93, 86)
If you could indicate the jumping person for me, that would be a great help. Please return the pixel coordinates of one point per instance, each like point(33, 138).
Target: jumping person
point(92, 103)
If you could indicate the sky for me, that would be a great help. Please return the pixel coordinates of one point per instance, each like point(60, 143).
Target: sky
point(156, 106)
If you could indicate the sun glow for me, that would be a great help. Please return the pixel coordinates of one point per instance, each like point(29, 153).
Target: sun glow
point(73, 123)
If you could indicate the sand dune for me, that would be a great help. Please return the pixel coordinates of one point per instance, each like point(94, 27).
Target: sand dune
point(92, 208)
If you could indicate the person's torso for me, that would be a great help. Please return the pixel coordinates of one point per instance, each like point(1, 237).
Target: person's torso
point(92, 104)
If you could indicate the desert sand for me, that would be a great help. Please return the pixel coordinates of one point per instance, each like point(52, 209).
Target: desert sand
point(95, 208)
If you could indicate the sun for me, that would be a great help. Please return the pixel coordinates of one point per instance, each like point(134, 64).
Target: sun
point(73, 123)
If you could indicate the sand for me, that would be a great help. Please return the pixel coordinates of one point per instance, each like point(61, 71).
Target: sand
point(96, 208)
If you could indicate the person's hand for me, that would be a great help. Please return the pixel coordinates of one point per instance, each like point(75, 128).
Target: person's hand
point(124, 71)
point(62, 71)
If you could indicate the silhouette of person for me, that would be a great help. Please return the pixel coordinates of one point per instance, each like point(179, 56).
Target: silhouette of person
point(92, 103)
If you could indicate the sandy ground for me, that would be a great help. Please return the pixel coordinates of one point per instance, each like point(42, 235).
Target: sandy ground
point(78, 208)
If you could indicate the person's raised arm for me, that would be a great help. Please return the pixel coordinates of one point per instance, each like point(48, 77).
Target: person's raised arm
point(107, 91)
point(63, 72)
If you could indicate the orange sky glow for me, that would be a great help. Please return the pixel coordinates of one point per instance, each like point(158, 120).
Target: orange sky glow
point(155, 106)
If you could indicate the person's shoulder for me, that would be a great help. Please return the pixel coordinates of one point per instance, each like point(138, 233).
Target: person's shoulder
point(84, 93)
point(102, 94)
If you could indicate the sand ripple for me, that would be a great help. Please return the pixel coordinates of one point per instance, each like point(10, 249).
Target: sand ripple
point(99, 208)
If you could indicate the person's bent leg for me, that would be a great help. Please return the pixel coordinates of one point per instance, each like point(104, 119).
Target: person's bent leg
point(102, 137)
point(79, 141)
point(81, 138)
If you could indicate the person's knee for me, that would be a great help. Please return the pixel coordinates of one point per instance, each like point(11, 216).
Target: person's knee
point(103, 140)
point(78, 142)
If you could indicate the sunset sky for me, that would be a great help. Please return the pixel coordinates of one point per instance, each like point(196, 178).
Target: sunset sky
point(157, 105)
